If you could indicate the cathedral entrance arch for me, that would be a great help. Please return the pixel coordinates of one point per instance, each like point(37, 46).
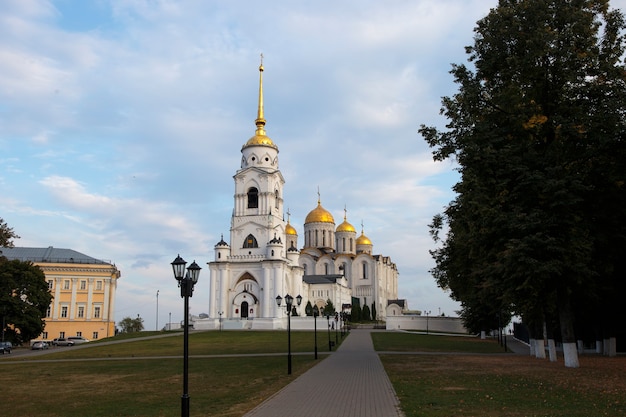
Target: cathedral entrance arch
point(244, 310)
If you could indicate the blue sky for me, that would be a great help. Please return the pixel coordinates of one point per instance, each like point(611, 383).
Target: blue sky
point(122, 121)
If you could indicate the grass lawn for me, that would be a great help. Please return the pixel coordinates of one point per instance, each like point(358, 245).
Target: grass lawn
point(432, 375)
point(497, 385)
point(148, 381)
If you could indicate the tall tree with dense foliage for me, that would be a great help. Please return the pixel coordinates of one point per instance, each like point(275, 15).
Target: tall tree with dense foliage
point(6, 235)
point(537, 128)
point(24, 299)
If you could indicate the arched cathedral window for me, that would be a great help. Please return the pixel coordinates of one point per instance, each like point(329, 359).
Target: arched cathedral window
point(250, 242)
point(276, 199)
point(253, 198)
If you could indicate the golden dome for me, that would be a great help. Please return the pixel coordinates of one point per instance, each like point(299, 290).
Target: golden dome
point(319, 215)
point(346, 227)
point(363, 240)
point(290, 230)
point(260, 140)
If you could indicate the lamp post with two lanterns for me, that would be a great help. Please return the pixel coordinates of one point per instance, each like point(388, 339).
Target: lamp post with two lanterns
point(186, 282)
point(288, 304)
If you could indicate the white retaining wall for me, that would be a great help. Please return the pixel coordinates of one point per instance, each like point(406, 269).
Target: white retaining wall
point(422, 323)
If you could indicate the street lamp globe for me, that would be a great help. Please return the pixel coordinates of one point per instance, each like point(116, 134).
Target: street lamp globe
point(178, 266)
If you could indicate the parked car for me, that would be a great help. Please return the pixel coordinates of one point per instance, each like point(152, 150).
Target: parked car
point(39, 345)
point(61, 341)
point(5, 347)
point(77, 339)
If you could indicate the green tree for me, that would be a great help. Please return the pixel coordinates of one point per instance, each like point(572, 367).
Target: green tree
point(329, 308)
point(130, 325)
point(308, 309)
point(537, 128)
point(6, 235)
point(355, 312)
point(365, 313)
point(24, 299)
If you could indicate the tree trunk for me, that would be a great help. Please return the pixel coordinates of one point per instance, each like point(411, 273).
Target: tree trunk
point(549, 332)
point(612, 348)
point(552, 350)
point(540, 347)
point(566, 319)
point(599, 346)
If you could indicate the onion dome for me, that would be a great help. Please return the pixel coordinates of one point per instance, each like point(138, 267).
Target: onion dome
point(363, 240)
point(260, 138)
point(345, 226)
point(319, 215)
point(221, 242)
point(276, 240)
point(290, 230)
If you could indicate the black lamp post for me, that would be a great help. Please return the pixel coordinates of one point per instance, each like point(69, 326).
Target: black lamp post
point(289, 304)
point(315, 314)
point(330, 345)
point(186, 282)
point(427, 314)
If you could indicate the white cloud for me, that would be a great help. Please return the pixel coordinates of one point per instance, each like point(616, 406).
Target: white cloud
point(121, 130)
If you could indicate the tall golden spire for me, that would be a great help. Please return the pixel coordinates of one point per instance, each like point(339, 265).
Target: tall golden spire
point(260, 138)
point(260, 118)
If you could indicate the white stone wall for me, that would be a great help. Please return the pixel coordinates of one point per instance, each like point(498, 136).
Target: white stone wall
point(421, 323)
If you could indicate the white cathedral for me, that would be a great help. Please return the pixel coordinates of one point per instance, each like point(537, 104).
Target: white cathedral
point(262, 260)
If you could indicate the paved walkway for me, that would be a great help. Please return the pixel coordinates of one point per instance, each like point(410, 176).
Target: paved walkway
point(517, 346)
point(349, 383)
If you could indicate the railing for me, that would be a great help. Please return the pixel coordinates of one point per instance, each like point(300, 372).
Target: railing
point(245, 257)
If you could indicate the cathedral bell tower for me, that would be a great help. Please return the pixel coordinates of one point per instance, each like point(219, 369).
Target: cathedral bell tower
point(257, 216)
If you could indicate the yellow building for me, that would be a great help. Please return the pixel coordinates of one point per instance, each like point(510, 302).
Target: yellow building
point(83, 291)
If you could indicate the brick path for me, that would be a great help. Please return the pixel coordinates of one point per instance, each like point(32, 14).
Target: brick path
point(351, 382)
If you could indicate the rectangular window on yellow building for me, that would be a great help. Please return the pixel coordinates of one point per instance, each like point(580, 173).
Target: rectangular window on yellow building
point(83, 285)
point(81, 312)
point(64, 311)
point(94, 335)
point(96, 312)
point(99, 285)
point(66, 284)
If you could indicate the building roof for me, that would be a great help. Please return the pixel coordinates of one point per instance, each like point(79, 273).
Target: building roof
point(49, 254)
point(400, 303)
point(321, 279)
